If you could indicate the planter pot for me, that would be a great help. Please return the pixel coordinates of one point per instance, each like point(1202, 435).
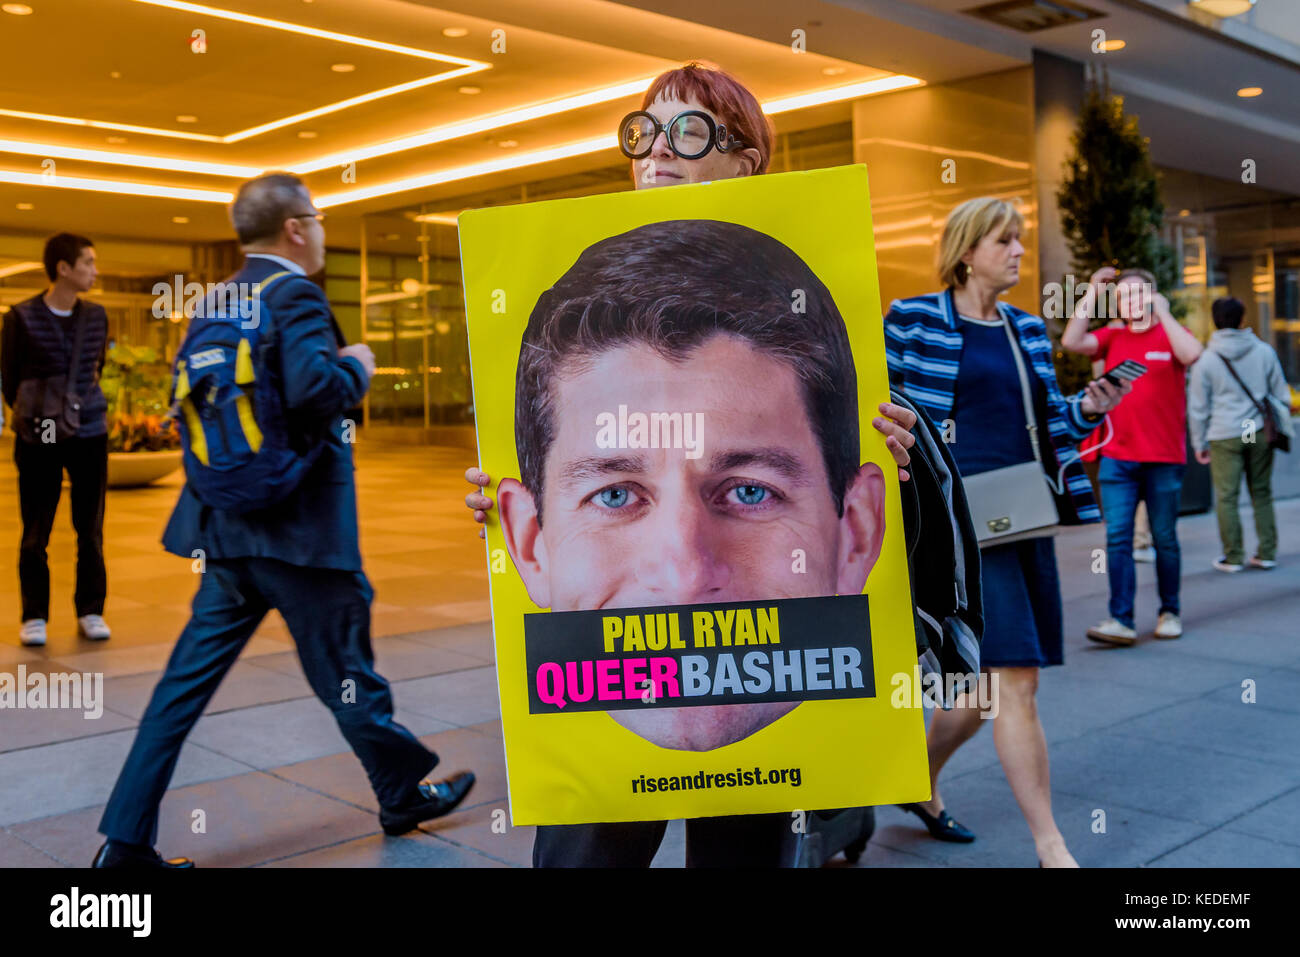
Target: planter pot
point(132, 469)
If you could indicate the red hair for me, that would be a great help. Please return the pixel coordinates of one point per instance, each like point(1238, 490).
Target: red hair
point(722, 95)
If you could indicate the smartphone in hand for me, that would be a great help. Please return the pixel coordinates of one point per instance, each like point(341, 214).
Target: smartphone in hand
point(1126, 371)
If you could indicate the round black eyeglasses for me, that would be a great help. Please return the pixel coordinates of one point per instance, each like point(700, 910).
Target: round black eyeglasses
point(691, 134)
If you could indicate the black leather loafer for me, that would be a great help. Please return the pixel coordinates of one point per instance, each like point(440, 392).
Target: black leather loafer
point(942, 828)
point(113, 854)
point(436, 798)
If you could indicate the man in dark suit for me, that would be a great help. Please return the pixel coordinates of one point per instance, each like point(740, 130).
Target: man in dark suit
point(300, 557)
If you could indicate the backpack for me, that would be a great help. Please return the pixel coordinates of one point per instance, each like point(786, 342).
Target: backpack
point(231, 413)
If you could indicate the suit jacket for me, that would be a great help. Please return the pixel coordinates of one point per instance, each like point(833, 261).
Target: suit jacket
point(316, 526)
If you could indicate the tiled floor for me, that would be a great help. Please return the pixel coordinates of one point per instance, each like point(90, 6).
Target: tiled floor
point(1158, 736)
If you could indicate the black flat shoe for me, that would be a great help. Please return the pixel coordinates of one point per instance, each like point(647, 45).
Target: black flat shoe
point(126, 856)
point(436, 799)
point(942, 828)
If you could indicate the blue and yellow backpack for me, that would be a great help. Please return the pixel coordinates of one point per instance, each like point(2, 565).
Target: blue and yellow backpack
point(231, 412)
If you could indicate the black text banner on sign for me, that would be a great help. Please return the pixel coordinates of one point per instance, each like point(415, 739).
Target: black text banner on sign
point(674, 656)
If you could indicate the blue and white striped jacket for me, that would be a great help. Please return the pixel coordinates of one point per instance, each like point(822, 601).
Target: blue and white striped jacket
point(923, 342)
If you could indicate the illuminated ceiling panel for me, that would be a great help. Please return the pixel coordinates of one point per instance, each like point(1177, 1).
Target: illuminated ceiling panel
point(551, 77)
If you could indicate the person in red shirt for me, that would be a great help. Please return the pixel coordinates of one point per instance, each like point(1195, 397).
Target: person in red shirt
point(1143, 450)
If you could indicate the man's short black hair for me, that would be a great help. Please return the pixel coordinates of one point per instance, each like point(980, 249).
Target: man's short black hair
point(263, 204)
point(63, 248)
point(673, 286)
point(1227, 313)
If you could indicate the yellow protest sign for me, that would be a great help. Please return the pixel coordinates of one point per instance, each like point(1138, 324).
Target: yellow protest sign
point(699, 586)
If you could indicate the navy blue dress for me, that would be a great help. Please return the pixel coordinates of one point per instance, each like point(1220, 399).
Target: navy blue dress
point(1022, 591)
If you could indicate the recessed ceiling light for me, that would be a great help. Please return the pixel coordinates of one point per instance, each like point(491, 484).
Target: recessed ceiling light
point(307, 134)
point(507, 144)
point(834, 70)
point(17, 9)
point(1223, 8)
point(115, 139)
point(26, 206)
point(180, 220)
point(469, 90)
point(187, 118)
point(455, 32)
point(1248, 91)
point(343, 67)
point(1110, 46)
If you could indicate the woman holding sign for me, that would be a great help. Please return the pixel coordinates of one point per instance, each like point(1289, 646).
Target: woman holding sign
point(696, 125)
point(983, 369)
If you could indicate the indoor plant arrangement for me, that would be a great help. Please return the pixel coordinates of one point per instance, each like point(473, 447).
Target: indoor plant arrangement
point(143, 441)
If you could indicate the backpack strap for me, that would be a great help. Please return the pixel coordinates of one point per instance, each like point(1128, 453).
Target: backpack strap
point(262, 286)
point(181, 392)
point(260, 289)
point(246, 377)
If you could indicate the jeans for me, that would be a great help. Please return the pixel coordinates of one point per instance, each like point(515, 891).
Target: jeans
point(1123, 485)
point(40, 485)
point(1228, 459)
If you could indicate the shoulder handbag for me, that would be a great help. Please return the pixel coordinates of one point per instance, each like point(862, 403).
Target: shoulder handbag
point(52, 399)
point(1273, 433)
point(1014, 503)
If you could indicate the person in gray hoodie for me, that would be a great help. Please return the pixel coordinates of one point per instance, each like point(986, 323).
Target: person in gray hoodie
point(1227, 429)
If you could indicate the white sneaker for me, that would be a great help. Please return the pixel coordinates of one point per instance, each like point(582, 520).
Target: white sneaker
point(92, 627)
point(1223, 565)
point(1144, 555)
point(33, 632)
point(1169, 625)
point(1266, 563)
point(1111, 632)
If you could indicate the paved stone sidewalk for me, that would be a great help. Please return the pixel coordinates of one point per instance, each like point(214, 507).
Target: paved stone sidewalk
point(1156, 736)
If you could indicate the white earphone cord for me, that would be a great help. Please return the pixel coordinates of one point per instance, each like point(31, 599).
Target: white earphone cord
point(1059, 485)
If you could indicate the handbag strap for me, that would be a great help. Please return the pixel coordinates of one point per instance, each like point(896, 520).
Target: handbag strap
point(1031, 421)
point(1233, 372)
point(78, 339)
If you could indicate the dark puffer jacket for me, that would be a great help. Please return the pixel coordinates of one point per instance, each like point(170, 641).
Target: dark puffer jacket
point(36, 345)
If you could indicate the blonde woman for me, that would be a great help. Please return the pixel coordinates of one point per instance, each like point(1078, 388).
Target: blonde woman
point(951, 353)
